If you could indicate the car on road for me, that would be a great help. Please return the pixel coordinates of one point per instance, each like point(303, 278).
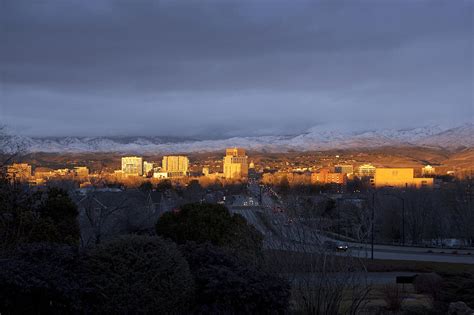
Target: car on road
point(335, 246)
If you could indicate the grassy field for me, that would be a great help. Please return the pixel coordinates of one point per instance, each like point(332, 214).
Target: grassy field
point(379, 265)
point(302, 262)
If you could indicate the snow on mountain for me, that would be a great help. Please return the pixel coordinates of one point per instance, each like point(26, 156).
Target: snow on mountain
point(462, 136)
point(316, 138)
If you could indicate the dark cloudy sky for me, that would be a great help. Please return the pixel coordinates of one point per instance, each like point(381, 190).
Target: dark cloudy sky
point(220, 68)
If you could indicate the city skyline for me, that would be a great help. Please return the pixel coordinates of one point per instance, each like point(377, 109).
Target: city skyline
point(233, 69)
point(236, 157)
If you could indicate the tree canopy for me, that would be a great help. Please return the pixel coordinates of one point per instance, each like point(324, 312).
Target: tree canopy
point(212, 223)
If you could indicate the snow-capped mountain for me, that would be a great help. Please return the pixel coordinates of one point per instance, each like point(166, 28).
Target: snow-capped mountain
point(316, 138)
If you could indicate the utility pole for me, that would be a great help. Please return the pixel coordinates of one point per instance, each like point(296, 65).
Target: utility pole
point(372, 228)
point(403, 221)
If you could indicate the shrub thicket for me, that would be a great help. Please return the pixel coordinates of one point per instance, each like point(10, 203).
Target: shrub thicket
point(227, 284)
point(42, 278)
point(139, 274)
point(212, 223)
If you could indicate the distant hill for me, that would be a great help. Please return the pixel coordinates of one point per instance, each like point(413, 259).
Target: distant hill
point(314, 139)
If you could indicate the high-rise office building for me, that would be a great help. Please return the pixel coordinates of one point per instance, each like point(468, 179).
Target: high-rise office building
point(236, 164)
point(148, 168)
point(175, 165)
point(132, 165)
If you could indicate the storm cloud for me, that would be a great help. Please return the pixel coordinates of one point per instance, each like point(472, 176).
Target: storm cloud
point(225, 68)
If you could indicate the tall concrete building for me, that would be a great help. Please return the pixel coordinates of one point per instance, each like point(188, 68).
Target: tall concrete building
point(175, 165)
point(235, 164)
point(148, 168)
point(400, 177)
point(132, 165)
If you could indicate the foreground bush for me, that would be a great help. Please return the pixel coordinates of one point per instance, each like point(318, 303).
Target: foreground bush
point(139, 274)
point(457, 287)
point(393, 297)
point(41, 279)
point(226, 284)
point(36, 217)
point(203, 223)
point(428, 284)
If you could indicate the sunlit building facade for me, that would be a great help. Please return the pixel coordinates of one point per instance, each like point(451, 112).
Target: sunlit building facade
point(346, 169)
point(148, 168)
point(236, 164)
point(19, 172)
point(132, 165)
point(400, 177)
point(323, 176)
point(428, 170)
point(175, 165)
point(366, 170)
point(82, 172)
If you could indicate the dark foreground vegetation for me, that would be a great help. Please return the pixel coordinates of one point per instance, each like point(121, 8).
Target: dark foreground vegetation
point(199, 259)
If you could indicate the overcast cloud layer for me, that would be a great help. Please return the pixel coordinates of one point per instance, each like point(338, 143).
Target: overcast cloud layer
point(222, 68)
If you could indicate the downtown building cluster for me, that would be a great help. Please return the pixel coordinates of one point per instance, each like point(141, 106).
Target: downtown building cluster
point(234, 166)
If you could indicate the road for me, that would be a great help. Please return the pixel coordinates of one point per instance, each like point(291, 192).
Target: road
point(282, 233)
point(409, 254)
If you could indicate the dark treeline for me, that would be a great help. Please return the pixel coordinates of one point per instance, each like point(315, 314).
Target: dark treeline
point(427, 216)
point(200, 259)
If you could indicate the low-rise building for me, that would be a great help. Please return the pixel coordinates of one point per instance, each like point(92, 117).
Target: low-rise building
point(428, 170)
point(81, 172)
point(19, 172)
point(43, 173)
point(346, 169)
point(400, 177)
point(366, 170)
point(323, 176)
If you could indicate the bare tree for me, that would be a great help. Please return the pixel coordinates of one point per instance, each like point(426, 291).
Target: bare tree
point(324, 281)
point(100, 218)
point(10, 147)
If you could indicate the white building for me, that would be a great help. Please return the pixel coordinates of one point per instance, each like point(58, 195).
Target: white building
point(148, 168)
point(132, 165)
point(160, 175)
point(367, 170)
point(235, 164)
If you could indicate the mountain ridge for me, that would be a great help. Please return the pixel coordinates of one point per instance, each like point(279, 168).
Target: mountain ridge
point(316, 138)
